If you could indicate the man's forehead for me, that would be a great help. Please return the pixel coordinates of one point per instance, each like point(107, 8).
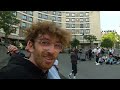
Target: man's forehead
point(48, 37)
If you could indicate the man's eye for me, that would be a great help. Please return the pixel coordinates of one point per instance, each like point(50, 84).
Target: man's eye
point(44, 42)
point(59, 46)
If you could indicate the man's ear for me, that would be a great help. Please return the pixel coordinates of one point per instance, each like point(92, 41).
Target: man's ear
point(29, 46)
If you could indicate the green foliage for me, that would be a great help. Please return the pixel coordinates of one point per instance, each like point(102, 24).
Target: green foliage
point(90, 38)
point(75, 43)
point(107, 42)
point(112, 36)
point(7, 22)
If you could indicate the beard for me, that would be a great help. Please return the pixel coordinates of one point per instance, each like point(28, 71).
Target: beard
point(44, 59)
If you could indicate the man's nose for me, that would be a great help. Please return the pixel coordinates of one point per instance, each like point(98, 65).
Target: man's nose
point(51, 48)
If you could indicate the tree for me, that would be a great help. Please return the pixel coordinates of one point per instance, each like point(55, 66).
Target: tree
point(113, 36)
point(8, 21)
point(75, 43)
point(90, 38)
point(107, 43)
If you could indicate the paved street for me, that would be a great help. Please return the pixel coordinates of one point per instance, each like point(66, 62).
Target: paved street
point(86, 69)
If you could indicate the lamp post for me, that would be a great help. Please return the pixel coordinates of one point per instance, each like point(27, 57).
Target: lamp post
point(83, 38)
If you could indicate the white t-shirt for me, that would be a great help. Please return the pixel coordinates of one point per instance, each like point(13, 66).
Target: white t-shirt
point(56, 62)
point(53, 73)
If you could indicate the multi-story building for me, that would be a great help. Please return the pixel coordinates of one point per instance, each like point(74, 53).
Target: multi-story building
point(80, 23)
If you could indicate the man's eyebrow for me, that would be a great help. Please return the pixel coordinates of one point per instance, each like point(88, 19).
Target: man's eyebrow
point(43, 38)
point(58, 42)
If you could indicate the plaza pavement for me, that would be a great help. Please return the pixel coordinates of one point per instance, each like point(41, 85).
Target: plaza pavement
point(86, 69)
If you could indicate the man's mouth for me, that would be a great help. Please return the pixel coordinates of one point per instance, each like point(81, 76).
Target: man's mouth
point(48, 60)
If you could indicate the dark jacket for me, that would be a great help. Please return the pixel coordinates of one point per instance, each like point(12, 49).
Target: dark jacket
point(20, 68)
point(73, 58)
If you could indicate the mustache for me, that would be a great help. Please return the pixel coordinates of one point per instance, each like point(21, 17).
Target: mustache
point(49, 55)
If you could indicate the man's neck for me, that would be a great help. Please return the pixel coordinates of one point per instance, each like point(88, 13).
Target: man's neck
point(32, 60)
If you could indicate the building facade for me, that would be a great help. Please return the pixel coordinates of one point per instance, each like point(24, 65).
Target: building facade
point(80, 23)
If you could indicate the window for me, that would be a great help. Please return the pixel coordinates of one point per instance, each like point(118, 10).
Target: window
point(45, 11)
point(24, 11)
point(59, 13)
point(23, 25)
point(81, 19)
point(81, 31)
point(73, 25)
point(73, 31)
point(73, 20)
point(59, 19)
point(87, 25)
point(87, 31)
point(87, 19)
point(30, 19)
point(81, 14)
point(39, 15)
point(30, 12)
point(73, 14)
point(77, 25)
point(67, 14)
point(77, 31)
point(54, 18)
point(54, 12)
point(67, 19)
point(87, 14)
point(77, 37)
point(81, 25)
point(67, 25)
point(81, 37)
point(45, 16)
point(24, 17)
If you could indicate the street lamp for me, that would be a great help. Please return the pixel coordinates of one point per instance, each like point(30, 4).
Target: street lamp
point(83, 37)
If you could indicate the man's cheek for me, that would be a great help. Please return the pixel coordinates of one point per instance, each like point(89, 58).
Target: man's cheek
point(56, 54)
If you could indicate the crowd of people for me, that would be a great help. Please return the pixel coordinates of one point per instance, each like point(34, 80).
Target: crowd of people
point(101, 55)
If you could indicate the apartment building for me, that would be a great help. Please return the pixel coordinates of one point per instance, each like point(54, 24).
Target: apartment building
point(80, 23)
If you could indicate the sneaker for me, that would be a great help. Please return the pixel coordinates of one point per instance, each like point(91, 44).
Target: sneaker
point(97, 64)
point(74, 77)
point(69, 76)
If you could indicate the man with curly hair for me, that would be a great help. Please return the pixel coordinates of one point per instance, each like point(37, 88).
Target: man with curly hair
point(45, 40)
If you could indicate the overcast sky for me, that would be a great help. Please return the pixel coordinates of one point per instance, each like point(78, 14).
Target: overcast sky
point(110, 20)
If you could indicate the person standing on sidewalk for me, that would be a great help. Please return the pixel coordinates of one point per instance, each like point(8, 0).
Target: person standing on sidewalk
point(74, 64)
